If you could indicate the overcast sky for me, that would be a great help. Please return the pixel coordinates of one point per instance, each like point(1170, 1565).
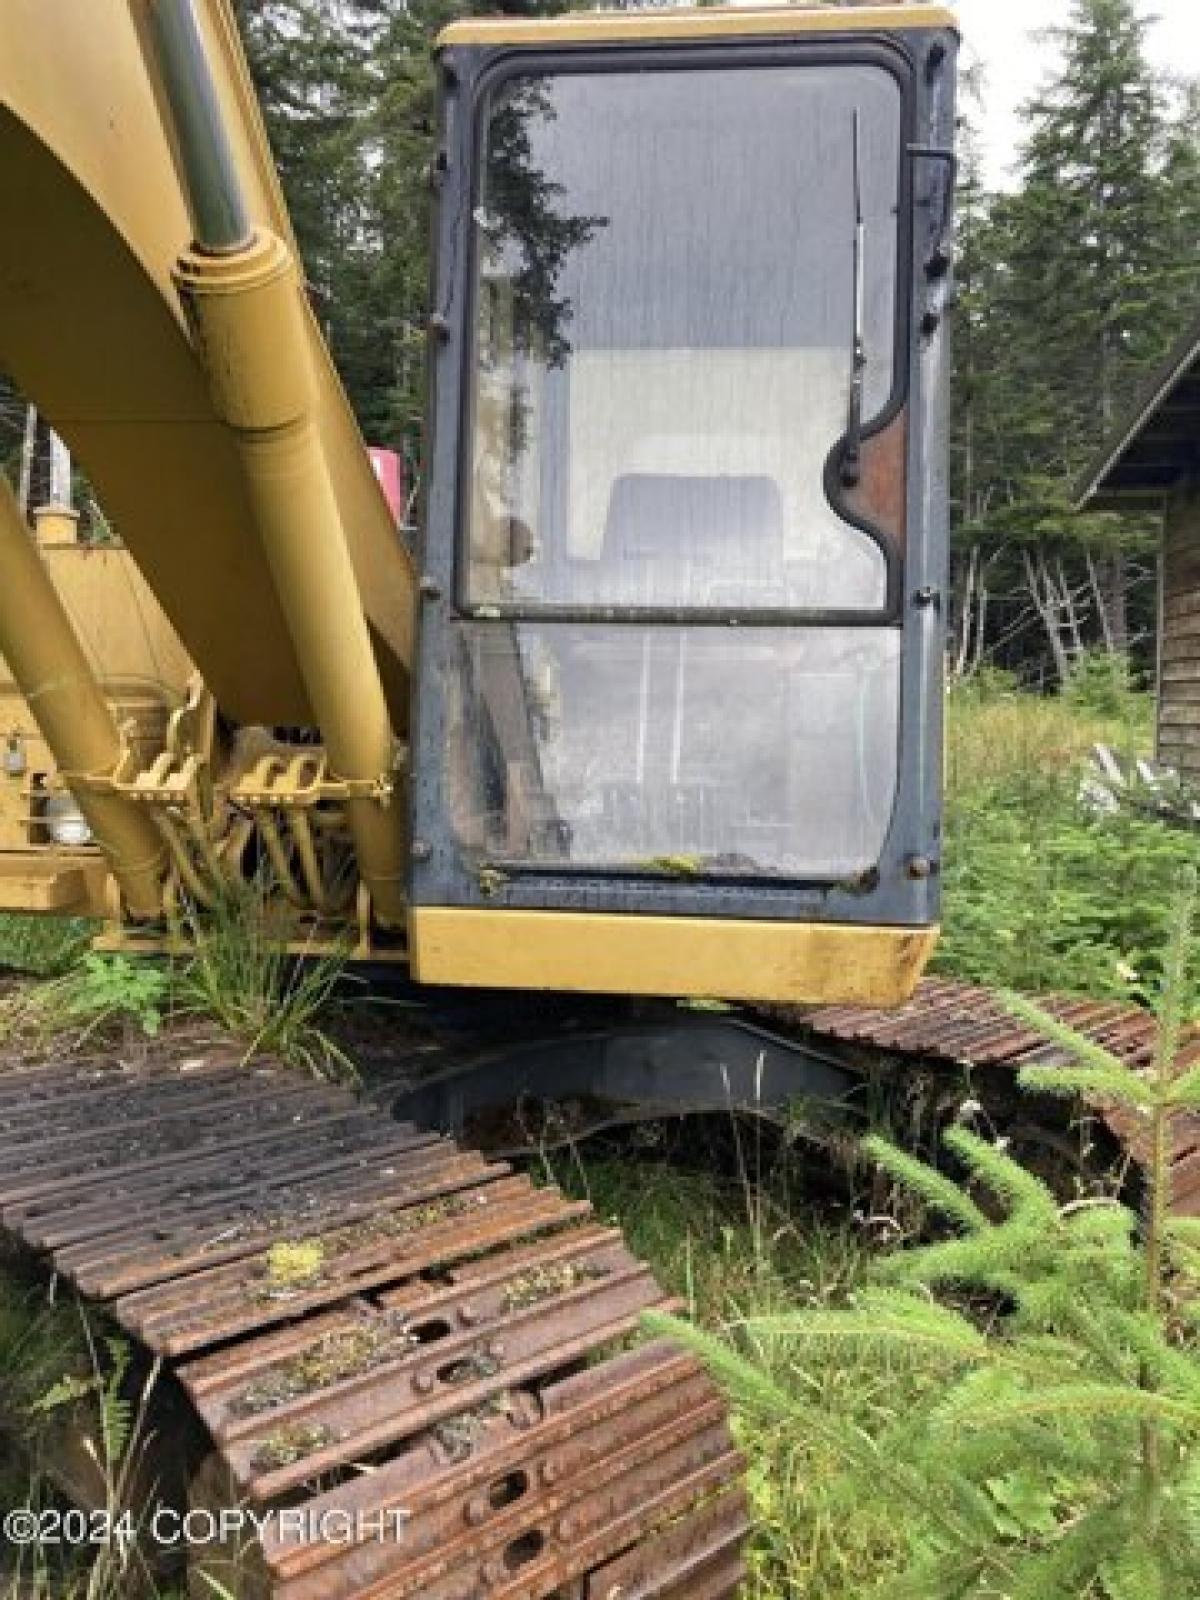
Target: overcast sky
point(996, 33)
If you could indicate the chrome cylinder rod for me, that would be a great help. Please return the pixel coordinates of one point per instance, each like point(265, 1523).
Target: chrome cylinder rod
point(216, 204)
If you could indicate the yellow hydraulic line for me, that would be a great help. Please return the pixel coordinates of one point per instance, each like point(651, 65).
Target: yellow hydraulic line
point(49, 666)
point(207, 852)
point(269, 830)
point(310, 866)
point(200, 892)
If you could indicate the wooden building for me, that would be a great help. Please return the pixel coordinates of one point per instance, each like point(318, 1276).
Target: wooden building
point(1153, 465)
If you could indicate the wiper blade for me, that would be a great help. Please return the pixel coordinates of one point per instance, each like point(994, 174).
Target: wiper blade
point(852, 452)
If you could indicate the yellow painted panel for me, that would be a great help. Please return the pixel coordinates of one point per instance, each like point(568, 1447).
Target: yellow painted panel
point(663, 25)
point(54, 883)
point(128, 641)
point(606, 953)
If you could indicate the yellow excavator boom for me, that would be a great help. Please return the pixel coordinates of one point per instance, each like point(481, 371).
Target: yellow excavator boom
point(93, 329)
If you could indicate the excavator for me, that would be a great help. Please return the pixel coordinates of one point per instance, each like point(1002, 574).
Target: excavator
point(646, 723)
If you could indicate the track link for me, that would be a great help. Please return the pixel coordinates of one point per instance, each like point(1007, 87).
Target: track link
point(966, 1025)
point(373, 1322)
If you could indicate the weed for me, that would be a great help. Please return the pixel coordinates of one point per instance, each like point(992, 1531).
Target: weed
point(547, 1283)
point(43, 947)
point(1040, 892)
point(241, 974)
point(290, 1444)
point(65, 1402)
point(459, 1435)
point(1011, 744)
point(1102, 685)
point(344, 1353)
point(97, 997)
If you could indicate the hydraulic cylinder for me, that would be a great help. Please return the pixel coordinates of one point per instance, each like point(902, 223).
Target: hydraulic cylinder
point(244, 299)
point(247, 315)
point(50, 668)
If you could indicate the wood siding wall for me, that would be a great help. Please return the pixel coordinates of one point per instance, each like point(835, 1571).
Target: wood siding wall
point(1179, 637)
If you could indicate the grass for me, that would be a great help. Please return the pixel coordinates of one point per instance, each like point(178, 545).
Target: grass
point(237, 974)
point(66, 1400)
point(1042, 892)
point(42, 947)
point(240, 975)
point(93, 1002)
point(735, 1249)
point(1009, 743)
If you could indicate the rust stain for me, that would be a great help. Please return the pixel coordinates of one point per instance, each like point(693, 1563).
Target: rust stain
point(336, 1290)
point(881, 496)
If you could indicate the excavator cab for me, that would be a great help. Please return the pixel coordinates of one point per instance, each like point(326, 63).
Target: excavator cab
point(655, 708)
point(676, 724)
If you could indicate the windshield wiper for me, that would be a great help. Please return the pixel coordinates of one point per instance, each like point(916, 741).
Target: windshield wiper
point(852, 453)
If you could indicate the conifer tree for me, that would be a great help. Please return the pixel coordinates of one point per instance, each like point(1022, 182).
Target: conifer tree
point(1053, 1450)
point(312, 63)
point(1087, 278)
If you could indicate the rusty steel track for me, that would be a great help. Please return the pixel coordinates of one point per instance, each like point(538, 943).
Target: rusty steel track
point(368, 1319)
point(965, 1025)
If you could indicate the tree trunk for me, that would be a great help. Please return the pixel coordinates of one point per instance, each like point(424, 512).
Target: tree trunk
point(1045, 598)
point(1101, 599)
point(980, 627)
point(964, 619)
point(1118, 601)
point(1070, 612)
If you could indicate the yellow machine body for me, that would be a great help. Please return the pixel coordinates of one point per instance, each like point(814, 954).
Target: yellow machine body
point(132, 674)
point(230, 689)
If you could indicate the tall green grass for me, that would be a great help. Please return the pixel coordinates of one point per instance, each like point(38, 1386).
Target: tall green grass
point(240, 975)
point(42, 946)
point(736, 1249)
point(1042, 892)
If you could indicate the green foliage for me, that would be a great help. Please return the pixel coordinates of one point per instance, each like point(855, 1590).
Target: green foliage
point(1047, 1442)
point(79, 1424)
point(988, 686)
point(1041, 892)
point(42, 946)
point(59, 1374)
point(96, 997)
point(1102, 685)
point(241, 975)
point(43, 1359)
point(103, 988)
point(1070, 288)
point(1070, 901)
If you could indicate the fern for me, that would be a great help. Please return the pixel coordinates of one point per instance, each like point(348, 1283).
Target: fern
point(116, 1412)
